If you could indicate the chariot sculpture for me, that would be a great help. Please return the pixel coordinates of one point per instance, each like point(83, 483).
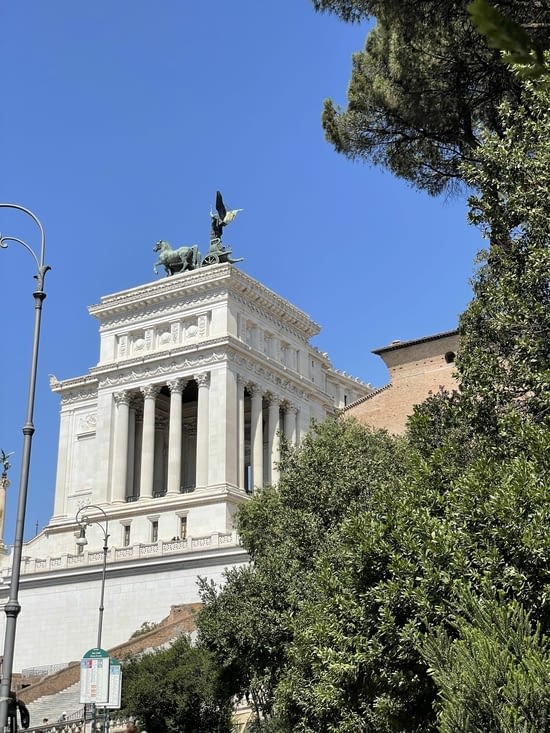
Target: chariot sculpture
point(189, 257)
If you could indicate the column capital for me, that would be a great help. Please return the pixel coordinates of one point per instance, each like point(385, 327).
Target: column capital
point(202, 379)
point(122, 398)
point(176, 386)
point(290, 408)
point(254, 389)
point(272, 399)
point(150, 390)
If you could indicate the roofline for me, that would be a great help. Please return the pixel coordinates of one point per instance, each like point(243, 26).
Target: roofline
point(400, 344)
point(366, 397)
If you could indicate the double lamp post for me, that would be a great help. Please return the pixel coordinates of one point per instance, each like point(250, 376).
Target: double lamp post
point(12, 606)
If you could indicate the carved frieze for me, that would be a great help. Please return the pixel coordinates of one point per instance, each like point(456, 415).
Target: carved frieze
point(78, 395)
point(86, 423)
point(161, 370)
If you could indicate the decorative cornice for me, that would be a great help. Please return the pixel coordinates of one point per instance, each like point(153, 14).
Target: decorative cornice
point(86, 384)
point(178, 291)
point(135, 376)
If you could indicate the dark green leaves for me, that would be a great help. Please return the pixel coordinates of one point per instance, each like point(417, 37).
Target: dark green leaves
point(508, 36)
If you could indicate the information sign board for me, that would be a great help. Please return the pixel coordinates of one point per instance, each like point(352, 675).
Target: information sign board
point(115, 684)
point(94, 677)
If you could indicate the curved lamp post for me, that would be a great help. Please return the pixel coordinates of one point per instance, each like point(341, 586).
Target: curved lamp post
point(84, 520)
point(12, 606)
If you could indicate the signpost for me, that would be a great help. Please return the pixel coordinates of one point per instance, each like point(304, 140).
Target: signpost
point(115, 684)
point(94, 677)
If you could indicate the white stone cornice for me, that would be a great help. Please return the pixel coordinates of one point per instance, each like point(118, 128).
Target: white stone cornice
point(135, 299)
point(197, 286)
point(164, 309)
point(86, 385)
point(135, 376)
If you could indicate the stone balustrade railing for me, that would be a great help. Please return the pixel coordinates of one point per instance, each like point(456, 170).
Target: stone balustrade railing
point(120, 554)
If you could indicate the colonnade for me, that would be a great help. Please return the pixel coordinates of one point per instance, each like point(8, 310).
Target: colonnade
point(253, 425)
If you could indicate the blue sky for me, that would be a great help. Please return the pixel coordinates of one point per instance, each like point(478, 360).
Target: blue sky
point(120, 120)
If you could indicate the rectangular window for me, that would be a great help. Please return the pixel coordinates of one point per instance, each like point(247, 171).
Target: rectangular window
point(183, 528)
point(126, 535)
point(154, 531)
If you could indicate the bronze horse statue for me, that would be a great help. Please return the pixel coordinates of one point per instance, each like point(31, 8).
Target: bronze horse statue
point(176, 260)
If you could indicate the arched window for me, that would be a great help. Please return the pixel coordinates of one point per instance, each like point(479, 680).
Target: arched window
point(450, 357)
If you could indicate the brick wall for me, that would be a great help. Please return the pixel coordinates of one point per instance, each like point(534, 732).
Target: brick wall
point(417, 369)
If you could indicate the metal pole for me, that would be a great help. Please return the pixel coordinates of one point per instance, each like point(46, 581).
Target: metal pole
point(84, 521)
point(12, 606)
point(101, 605)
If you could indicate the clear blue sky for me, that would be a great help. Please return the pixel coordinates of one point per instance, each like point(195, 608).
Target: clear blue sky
point(119, 122)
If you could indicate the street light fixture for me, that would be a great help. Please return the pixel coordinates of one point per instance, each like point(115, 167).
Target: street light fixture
point(84, 520)
point(13, 607)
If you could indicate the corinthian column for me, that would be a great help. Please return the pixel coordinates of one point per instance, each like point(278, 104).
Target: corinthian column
point(257, 438)
point(203, 381)
point(120, 457)
point(290, 423)
point(148, 441)
point(240, 433)
point(174, 436)
point(273, 450)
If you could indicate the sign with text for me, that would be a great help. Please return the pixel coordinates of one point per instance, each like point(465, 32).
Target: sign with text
point(94, 677)
point(115, 684)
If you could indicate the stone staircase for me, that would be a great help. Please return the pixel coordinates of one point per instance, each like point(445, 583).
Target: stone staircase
point(53, 706)
point(59, 692)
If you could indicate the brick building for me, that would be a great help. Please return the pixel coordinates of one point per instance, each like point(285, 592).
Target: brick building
point(417, 369)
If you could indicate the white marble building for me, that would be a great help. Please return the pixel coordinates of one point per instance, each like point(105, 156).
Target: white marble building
point(199, 375)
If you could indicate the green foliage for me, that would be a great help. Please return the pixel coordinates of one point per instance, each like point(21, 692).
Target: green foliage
point(424, 87)
point(353, 615)
point(440, 430)
point(355, 661)
point(504, 362)
point(176, 690)
point(248, 623)
point(145, 627)
point(517, 46)
point(495, 676)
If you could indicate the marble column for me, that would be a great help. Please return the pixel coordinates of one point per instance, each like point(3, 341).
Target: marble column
point(120, 457)
point(273, 449)
point(174, 436)
point(203, 381)
point(148, 441)
point(131, 477)
point(256, 436)
point(290, 423)
point(240, 432)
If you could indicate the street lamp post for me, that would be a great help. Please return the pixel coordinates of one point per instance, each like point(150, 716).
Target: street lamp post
point(84, 520)
point(12, 606)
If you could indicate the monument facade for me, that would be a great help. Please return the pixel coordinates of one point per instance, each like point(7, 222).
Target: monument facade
point(199, 375)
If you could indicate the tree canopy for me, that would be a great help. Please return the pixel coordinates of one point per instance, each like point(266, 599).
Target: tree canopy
point(425, 86)
point(378, 562)
point(176, 690)
point(505, 347)
point(249, 623)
